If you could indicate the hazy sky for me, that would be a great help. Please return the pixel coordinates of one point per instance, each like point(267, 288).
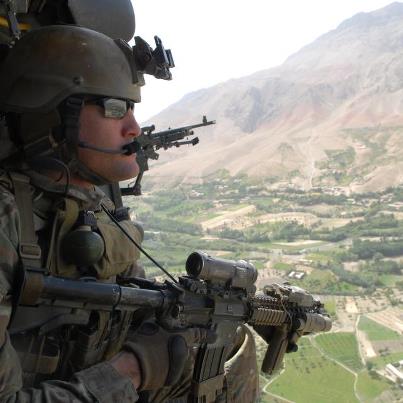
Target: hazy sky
point(216, 40)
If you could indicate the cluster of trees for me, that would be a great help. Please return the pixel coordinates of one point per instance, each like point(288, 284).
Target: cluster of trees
point(230, 233)
point(290, 231)
point(336, 235)
point(368, 276)
point(321, 198)
point(381, 225)
point(368, 249)
point(158, 223)
point(177, 204)
point(284, 231)
point(165, 199)
point(382, 266)
point(341, 158)
point(367, 280)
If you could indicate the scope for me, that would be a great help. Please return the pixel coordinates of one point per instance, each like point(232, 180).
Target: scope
point(238, 274)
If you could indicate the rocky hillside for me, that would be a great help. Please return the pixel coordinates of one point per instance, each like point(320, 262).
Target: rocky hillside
point(331, 115)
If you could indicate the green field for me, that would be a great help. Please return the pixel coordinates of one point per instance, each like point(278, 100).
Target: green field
point(381, 361)
point(330, 306)
point(375, 331)
point(320, 258)
point(318, 280)
point(369, 387)
point(389, 280)
point(310, 377)
point(342, 347)
point(282, 266)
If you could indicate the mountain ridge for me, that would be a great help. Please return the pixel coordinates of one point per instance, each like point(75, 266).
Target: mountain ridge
point(322, 98)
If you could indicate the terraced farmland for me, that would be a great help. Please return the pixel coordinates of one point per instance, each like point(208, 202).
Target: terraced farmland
point(370, 387)
point(342, 347)
point(375, 331)
point(311, 377)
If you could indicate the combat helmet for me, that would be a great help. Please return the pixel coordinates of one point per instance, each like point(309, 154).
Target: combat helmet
point(114, 18)
point(48, 71)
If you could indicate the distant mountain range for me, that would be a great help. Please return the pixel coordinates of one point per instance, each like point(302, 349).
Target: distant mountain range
point(330, 115)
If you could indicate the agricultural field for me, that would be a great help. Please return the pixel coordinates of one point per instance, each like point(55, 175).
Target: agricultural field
point(375, 331)
point(380, 361)
point(330, 306)
point(349, 250)
point(342, 347)
point(369, 387)
point(310, 377)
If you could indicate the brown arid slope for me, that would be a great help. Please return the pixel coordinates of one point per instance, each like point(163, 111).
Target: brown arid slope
point(331, 115)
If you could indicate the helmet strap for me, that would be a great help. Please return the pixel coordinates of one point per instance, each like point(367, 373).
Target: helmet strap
point(35, 133)
point(70, 111)
point(76, 166)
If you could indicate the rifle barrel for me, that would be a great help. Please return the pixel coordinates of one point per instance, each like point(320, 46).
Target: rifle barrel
point(181, 130)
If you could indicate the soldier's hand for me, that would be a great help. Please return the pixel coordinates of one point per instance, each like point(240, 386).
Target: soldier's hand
point(127, 364)
point(162, 355)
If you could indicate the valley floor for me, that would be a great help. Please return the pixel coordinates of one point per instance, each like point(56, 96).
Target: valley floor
point(348, 250)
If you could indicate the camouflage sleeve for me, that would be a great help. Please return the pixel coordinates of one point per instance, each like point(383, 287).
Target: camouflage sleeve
point(100, 383)
point(242, 365)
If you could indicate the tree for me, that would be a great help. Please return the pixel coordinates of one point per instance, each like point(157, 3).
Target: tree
point(369, 365)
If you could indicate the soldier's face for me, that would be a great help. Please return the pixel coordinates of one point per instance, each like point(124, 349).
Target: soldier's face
point(99, 131)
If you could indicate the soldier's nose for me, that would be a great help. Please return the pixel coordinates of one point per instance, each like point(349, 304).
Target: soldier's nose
point(131, 128)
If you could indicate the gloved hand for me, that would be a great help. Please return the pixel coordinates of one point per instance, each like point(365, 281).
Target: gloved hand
point(162, 355)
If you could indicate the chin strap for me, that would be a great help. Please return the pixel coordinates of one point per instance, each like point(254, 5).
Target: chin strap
point(84, 172)
point(70, 112)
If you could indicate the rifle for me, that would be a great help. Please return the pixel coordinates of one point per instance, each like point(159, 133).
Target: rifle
point(216, 294)
point(150, 142)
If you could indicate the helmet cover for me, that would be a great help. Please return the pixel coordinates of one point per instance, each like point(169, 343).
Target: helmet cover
point(49, 64)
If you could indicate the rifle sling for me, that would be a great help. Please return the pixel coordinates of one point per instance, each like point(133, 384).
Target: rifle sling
point(28, 249)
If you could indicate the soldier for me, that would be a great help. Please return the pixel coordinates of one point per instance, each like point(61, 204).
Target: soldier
point(67, 96)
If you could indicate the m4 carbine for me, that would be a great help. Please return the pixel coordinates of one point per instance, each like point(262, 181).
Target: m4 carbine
point(150, 142)
point(216, 295)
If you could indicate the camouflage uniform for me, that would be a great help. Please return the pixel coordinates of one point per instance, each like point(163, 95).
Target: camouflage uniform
point(100, 382)
point(241, 372)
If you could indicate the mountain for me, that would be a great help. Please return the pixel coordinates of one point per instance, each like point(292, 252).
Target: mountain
point(330, 115)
